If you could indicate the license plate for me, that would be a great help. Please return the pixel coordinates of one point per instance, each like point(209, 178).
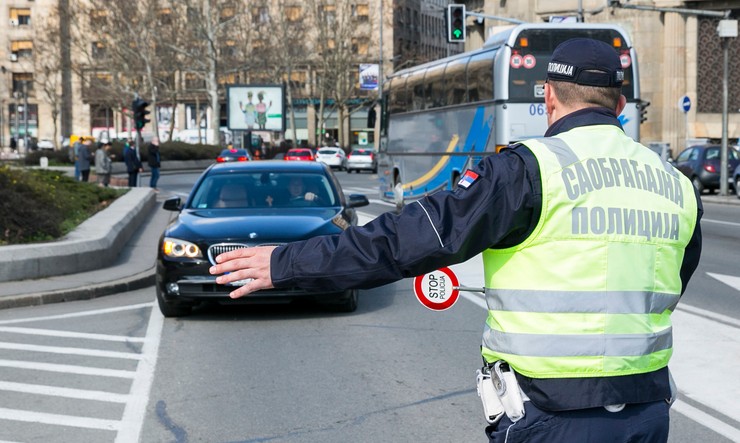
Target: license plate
point(240, 282)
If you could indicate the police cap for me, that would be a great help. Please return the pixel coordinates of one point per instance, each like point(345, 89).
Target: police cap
point(586, 62)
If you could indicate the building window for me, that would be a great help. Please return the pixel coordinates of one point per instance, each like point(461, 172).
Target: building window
point(21, 49)
point(98, 50)
point(227, 12)
point(98, 18)
point(360, 46)
point(329, 13)
point(260, 15)
point(19, 79)
point(229, 49)
point(361, 12)
point(194, 81)
point(709, 69)
point(293, 14)
point(20, 17)
point(164, 16)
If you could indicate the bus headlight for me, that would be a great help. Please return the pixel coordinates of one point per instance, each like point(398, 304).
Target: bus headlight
point(176, 248)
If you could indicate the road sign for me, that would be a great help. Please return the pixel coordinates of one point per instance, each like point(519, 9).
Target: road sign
point(684, 103)
point(437, 290)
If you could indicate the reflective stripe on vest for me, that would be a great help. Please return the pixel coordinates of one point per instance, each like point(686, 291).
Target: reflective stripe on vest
point(590, 292)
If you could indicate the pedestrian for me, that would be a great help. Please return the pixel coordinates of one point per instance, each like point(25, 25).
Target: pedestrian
point(133, 163)
point(83, 159)
point(76, 147)
point(104, 164)
point(588, 241)
point(154, 160)
point(13, 144)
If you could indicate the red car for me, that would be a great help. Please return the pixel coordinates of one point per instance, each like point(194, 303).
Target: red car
point(300, 154)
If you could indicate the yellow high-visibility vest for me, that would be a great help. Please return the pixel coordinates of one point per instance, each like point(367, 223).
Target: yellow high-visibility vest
point(590, 292)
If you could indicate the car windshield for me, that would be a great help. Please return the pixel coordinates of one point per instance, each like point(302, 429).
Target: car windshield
point(328, 151)
point(264, 190)
point(300, 153)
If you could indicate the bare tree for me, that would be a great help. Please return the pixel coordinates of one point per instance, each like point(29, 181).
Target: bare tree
point(48, 67)
point(342, 48)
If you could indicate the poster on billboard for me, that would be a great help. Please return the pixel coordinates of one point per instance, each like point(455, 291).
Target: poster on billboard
point(256, 108)
point(369, 77)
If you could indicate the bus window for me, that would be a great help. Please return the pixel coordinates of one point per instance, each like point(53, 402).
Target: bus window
point(455, 81)
point(398, 100)
point(480, 77)
point(434, 81)
point(541, 43)
point(415, 90)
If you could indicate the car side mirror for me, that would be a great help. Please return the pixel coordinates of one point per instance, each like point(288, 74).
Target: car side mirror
point(357, 200)
point(172, 204)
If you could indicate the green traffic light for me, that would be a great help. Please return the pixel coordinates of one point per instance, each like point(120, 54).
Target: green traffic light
point(457, 33)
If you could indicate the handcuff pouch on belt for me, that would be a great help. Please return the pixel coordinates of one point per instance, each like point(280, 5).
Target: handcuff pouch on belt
point(499, 392)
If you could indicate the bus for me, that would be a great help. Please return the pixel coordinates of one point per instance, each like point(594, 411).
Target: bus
point(440, 118)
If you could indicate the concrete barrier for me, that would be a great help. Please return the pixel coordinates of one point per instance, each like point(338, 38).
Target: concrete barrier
point(95, 244)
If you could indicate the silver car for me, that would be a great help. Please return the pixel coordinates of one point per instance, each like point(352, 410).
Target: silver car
point(362, 159)
point(332, 157)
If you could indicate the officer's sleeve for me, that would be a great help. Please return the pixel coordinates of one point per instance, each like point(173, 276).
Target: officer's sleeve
point(497, 205)
point(693, 249)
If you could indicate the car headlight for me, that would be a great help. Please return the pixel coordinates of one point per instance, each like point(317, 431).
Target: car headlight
point(173, 247)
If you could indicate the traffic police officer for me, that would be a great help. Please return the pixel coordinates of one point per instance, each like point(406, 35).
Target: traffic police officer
point(588, 239)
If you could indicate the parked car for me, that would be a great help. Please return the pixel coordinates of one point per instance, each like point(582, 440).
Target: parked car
point(233, 155)
point(362, 160)
point(333, 157)
point(241, 205)
point(701, 163)
point(45, 144)
point(300, 154)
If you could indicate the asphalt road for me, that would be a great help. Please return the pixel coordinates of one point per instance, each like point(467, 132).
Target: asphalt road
point(112, 369)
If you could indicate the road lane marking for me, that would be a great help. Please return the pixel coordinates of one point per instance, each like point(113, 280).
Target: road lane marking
point(78, 314)
point(69, 351)
point(721, 222)
point(135, 410)
point(67, 369)
point(67, 334)
point(59, 419)
point(729, 280)
point(54, 391)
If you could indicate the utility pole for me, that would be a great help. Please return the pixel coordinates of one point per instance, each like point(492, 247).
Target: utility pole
point(25, 116)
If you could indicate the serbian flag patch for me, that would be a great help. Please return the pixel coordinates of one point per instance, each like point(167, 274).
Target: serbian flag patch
point(468, 179)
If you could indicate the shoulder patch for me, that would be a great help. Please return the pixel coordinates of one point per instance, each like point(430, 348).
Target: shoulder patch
point(468, 179)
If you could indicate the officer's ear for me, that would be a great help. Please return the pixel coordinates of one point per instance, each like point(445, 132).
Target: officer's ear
point(621, 104)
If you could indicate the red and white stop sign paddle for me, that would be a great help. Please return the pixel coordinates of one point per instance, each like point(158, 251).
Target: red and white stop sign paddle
point(437, 290)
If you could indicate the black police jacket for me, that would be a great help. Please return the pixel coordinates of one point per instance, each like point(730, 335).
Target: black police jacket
point(499, 210)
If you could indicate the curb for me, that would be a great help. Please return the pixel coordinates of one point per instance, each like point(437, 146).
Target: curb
point(139, 281)
point(94, 244)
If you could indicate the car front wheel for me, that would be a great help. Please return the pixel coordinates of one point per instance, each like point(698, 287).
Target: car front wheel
point(170, 310)
point(347, 303)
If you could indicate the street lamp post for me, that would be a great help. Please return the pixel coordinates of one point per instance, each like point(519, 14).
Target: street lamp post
point(25, 117)
point(726, 30)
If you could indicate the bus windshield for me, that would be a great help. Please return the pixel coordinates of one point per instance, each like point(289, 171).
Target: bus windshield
point(532, 53)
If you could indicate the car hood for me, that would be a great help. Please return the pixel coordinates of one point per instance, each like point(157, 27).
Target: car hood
point(253, 226)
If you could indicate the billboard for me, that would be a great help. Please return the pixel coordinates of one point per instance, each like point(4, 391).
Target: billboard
point(369, 77)
point(256, 108)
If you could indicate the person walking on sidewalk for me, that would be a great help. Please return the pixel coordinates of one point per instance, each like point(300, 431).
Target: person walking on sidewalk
point(588, 241)
point(153, 158)
point(84, 156)
point(133, 163)
point(104, 164)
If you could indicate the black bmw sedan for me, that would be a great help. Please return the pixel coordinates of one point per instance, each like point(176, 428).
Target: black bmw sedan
point(241, 205)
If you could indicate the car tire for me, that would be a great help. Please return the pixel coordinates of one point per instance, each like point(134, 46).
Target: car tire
point(698, 184)
point(347, 303)
point(737, 186)
point(170, 310)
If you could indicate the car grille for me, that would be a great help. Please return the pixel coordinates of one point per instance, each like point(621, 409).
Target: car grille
point(219, 248)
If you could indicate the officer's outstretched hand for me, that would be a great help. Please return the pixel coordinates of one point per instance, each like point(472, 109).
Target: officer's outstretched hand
point(244, 264)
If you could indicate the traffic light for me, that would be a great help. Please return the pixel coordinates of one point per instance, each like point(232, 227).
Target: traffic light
point(642, 106)
point(455, 23)
point(140, 112)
